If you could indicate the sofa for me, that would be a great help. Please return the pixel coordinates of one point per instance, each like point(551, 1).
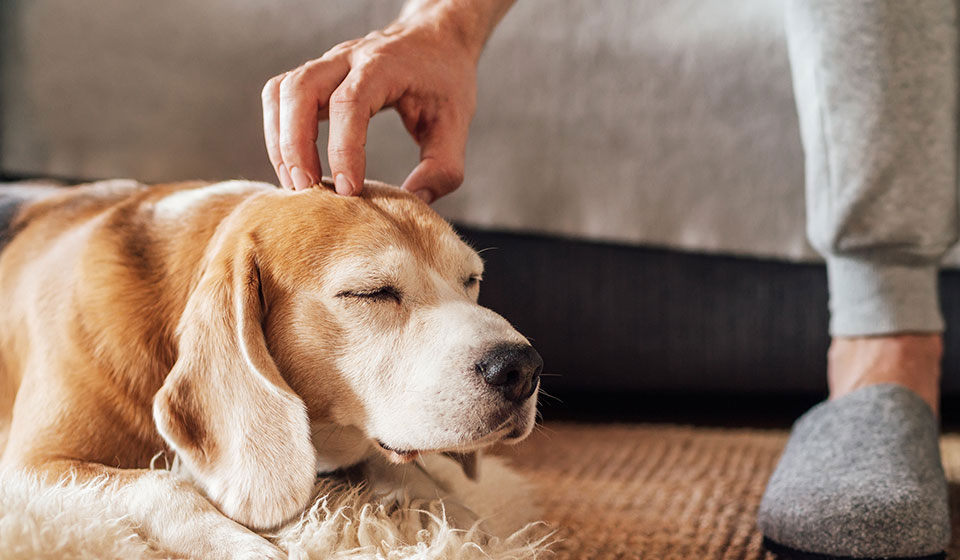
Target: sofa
point(634, 171)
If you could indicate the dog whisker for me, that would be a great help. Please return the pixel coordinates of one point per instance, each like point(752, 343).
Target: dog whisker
point(548, 395)
point(547, 432)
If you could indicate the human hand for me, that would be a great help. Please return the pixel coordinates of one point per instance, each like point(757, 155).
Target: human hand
point(424, 65)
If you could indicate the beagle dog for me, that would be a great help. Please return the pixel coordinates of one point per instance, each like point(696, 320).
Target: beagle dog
point(260, 336)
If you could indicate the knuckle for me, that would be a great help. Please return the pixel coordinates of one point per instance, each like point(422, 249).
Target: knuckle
point(311, 67)
point(270, 87)
point(345, 151)
point(361, 86)
point(297, 80)
point(370, 70)
point(342, 47)
point(347, 95)
point(293, 82)
point(365, 57)
point(369, 64)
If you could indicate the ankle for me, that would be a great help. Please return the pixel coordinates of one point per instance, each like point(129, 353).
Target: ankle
point(912, 361)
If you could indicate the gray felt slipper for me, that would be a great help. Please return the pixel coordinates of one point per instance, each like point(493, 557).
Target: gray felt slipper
point(860, 478)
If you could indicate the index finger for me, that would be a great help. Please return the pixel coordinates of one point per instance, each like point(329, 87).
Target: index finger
point(351, 107)
point(271, 129)
point(301, 93)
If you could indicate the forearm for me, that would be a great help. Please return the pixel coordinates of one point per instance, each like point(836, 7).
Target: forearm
point(471, 21)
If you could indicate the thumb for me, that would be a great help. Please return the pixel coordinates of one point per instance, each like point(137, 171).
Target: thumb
point(442, 150)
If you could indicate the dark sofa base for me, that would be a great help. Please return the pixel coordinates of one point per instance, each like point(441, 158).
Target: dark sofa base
point(617, 318)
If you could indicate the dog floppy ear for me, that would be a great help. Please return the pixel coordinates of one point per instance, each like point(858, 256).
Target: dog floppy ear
point(224, 408)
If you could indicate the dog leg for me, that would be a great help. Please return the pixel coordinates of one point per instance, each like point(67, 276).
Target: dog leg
point(169, 511)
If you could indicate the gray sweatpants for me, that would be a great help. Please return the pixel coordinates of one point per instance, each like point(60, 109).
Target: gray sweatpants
point(877, 94)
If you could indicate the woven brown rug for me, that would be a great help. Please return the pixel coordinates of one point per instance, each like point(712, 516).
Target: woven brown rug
point(663, 492)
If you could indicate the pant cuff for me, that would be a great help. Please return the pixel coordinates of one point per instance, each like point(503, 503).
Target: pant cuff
point(869, 299)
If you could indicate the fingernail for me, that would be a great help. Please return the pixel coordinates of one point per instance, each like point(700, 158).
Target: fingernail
point(343, 185)
point(300, 179)
point(284, 176)
point(424, 195)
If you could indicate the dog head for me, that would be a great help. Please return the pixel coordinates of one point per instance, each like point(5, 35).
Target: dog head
point(357, 312)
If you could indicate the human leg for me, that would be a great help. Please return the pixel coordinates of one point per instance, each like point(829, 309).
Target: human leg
point(876, 85)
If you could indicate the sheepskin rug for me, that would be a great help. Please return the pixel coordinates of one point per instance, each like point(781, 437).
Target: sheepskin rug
point(492, 518)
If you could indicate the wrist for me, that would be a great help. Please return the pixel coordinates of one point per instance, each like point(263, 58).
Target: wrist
point(468, 23)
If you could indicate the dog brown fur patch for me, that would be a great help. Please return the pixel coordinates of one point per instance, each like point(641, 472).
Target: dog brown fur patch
point(184, 409)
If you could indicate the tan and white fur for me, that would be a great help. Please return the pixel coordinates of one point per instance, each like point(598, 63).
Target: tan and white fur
point(259, 335)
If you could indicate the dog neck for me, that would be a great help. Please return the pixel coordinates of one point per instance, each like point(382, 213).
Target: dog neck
point(339, 446)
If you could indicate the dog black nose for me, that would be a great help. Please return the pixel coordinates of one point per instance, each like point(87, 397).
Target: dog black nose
point(514, 369)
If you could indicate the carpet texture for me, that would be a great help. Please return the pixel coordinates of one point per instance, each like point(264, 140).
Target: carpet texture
point(661, 492)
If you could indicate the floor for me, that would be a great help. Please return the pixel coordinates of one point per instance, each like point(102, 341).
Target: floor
point(663, 476)
point(654, 491)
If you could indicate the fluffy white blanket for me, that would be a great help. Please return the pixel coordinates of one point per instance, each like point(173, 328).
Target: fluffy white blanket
point(78, 521)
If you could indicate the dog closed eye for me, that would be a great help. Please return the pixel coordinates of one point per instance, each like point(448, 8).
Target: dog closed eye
point(381, 294)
